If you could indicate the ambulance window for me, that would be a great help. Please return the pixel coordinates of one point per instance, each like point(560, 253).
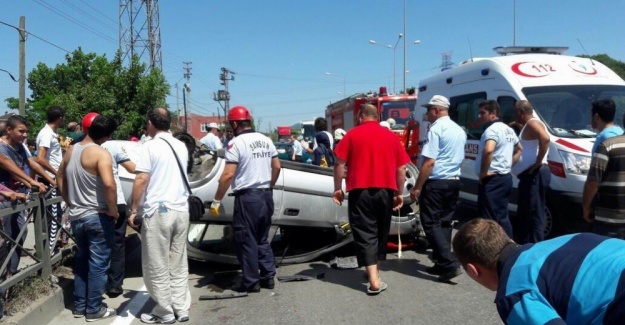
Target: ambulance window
point(506, 103)
point(464, 110)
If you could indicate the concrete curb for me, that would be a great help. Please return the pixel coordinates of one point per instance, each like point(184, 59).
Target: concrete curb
point(42, 310)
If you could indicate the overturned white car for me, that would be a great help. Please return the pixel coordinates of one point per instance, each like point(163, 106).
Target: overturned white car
point(306, 223)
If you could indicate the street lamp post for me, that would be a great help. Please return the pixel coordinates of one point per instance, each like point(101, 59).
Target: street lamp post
point(333, 75)
point(372, 42)
point(394, 56)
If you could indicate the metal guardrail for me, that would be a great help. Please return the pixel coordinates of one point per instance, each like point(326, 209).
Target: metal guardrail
point(43, 257)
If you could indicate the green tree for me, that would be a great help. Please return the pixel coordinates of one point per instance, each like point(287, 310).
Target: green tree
point(615, 65)
point(91, 83)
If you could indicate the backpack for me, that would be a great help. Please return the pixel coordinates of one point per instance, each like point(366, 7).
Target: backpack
point(327, 157)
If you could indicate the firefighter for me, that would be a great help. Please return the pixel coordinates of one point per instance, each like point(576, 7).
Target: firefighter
point(252, 168)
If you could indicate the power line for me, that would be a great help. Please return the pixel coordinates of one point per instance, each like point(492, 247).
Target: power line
point(37, 37)
point(292, 114)
point(89, 15)
point(73, 20)
point(98, 11)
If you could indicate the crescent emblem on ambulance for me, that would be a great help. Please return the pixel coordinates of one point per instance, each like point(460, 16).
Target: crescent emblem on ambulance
point(523, 69)
point(582, 68)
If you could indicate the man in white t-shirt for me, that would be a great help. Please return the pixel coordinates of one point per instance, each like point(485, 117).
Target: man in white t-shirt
point(117, 269)
point(252, 167)
point(49, 156)
point(499, 149)
point(165, 223)
point(297, 150)
point(211, 140)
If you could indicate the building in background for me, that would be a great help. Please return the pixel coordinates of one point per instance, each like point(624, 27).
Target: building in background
point(198, 124)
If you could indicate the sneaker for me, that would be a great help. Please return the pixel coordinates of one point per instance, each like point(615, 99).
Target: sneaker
point(78, 313)
point(115, 292)
point(435, 270)
point(241, 288)
point(153, 319)
point(104, 313)
point(267, 283)
point(447, 276)
point(183, 318)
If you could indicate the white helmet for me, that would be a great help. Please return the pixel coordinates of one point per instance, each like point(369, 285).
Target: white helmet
point(391, 122)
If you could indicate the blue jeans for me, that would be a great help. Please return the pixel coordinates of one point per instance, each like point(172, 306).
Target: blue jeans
point(94, 237)
point(12, 225)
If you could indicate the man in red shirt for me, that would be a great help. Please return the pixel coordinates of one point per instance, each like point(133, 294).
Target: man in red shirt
point(375, 178)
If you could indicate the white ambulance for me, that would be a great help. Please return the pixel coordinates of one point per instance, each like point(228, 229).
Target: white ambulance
point(561, 89)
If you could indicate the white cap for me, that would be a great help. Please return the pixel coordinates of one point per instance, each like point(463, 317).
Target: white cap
point(213, 125)
point(339, 133)
point(391, 122)
point(438, 100)
point(385, 124)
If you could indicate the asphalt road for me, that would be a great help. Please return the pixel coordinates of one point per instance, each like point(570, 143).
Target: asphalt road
point(338, 297)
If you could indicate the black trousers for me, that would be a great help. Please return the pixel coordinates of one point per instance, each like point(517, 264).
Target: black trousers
point(438, 202)
point(492, 200)
point(251, 222)
point(299, 159)
point(609, 230)
point(531, 210)
point(117, 270)
point(369, 212)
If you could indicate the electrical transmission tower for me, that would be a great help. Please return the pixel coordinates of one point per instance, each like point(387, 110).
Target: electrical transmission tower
point(140, 32)
point(447, 64)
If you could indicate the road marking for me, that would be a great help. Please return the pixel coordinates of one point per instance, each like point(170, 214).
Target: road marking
point(134, 306)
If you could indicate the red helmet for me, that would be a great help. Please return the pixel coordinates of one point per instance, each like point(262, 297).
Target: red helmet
point(87, 120)
point(239, 113)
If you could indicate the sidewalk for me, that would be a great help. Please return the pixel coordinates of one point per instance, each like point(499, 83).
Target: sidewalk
point(46, 308)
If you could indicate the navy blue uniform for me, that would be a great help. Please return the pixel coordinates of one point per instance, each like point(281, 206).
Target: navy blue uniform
point(574, 279)
point(253, 205)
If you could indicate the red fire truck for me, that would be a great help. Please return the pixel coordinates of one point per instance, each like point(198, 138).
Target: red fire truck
point(284, 133)
point(344, 114)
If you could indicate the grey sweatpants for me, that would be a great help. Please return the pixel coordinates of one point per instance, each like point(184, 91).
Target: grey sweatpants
point(164, 262)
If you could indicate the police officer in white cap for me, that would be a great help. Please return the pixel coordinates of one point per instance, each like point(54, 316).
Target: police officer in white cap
point(438, 185)
point(252, 167)
point(211, 140)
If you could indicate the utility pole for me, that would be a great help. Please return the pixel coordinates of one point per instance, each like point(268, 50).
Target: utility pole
point(22, 81)
point(185, 92)
point(177, 101)
point(224, 95)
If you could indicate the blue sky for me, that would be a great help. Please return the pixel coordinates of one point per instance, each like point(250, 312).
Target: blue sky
point(281, 50)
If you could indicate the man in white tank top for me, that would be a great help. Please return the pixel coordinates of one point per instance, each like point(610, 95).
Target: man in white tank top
point(533, 173)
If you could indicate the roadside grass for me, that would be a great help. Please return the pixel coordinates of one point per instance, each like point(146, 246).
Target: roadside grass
point(34, 287)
